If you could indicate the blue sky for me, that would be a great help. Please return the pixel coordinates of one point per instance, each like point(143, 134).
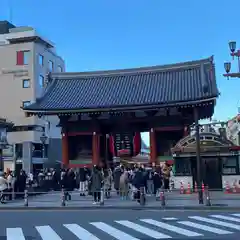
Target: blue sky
point(109, 34)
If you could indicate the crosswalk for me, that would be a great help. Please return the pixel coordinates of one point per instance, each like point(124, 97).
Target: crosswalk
point(193, 226)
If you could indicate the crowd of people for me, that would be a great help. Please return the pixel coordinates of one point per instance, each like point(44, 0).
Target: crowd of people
point(125, 180)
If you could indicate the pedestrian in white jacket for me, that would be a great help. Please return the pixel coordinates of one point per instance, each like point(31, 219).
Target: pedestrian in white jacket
point(3, 187)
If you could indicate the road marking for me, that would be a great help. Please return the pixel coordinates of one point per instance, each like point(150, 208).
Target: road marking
point(113, 231)
point(46, 233)
point(216, 222)
point(14, 234)
point(144, 230)
point(172, 228)
point(236, 214)
point(80, 232)
point(169, 218)
point(226, 218)
point(205, 227)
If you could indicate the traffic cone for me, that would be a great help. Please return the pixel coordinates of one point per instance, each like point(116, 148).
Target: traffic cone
point(227, 190)
point(181, 188)
point(195, 187)
point(188, 189)
point(203, 187)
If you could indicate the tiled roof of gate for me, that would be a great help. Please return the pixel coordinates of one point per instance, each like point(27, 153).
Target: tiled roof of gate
point(160, 85)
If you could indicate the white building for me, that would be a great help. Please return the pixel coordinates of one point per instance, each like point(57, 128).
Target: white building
point(233, 129)
point(25, 59)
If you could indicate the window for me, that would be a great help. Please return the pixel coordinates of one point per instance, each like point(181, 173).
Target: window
point(50, 65)
point(60, 69)
point(229, 165)
point(40, 59)
point(26, 103)
point(23, 57)
point(26, 83)
point(41, 81)
point(182, 166)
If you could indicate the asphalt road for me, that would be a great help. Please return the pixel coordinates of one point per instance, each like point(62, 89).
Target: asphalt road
point(118, 224)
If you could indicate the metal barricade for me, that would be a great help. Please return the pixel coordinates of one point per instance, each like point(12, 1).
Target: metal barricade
point(26, 198)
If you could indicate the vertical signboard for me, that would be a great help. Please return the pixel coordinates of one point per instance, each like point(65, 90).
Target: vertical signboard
point(27, 157)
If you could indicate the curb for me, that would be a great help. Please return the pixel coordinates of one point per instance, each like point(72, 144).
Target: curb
point(66, 208)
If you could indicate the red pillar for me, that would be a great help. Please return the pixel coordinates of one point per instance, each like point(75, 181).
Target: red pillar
point(153, 147)
point(95, 149)
point(65, 157)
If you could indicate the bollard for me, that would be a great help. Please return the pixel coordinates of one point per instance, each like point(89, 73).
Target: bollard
point(26, 198)
point(102, 197)
point(142, 196)
point(162, 199)
point(63, 198)
point(207, 196)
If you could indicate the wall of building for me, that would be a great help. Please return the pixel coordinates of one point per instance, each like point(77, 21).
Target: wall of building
point(232, 130)
point(12, 92)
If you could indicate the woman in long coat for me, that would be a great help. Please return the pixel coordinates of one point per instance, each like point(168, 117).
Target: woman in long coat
point(96, 183)
point(124, 184)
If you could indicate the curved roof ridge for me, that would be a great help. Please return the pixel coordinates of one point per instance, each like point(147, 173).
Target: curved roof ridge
point(139, 70)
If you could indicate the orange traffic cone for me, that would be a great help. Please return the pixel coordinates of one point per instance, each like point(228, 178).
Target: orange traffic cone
point(203, 187)
point(195, 187)
point(227, 190)
point(188, 189)
point(181, 188)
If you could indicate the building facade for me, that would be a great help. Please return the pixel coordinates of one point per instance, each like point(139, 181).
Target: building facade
point(26, 59)
point(219, 159)
point(93, 106)
point(4, 128)
point(233, 129)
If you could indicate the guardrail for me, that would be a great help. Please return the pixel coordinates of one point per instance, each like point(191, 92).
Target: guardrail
point(215, 197)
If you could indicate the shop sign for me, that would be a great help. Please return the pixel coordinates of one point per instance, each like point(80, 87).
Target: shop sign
point(16, 73)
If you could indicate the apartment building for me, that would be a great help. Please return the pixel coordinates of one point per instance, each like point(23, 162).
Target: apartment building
point(25, 60)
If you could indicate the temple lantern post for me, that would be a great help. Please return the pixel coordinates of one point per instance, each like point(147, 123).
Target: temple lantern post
point(65, 155)
point(153, 147)
point(235, 53)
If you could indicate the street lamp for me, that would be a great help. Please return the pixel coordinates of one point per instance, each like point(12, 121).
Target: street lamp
point(43, 139)
point(227, 65)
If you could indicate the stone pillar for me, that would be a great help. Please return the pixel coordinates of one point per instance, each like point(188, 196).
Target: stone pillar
point(153, 147)
point(95, 149)
point(65, 155)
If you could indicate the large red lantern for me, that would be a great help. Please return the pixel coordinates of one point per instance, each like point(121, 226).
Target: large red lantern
point(125, 144)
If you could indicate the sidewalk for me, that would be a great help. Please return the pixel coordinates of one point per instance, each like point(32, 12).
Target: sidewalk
point(52, 200)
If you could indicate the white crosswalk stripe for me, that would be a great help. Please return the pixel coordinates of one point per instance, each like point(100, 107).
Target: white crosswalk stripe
point(114, 232)
point(144, 230)
point(119, 229)
point(14, 234)
point(46, 233)
point(236, 214)
point(205, 227)
point(172, 228)
point(80, 232)
point(216, 222)
point(226, 218)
